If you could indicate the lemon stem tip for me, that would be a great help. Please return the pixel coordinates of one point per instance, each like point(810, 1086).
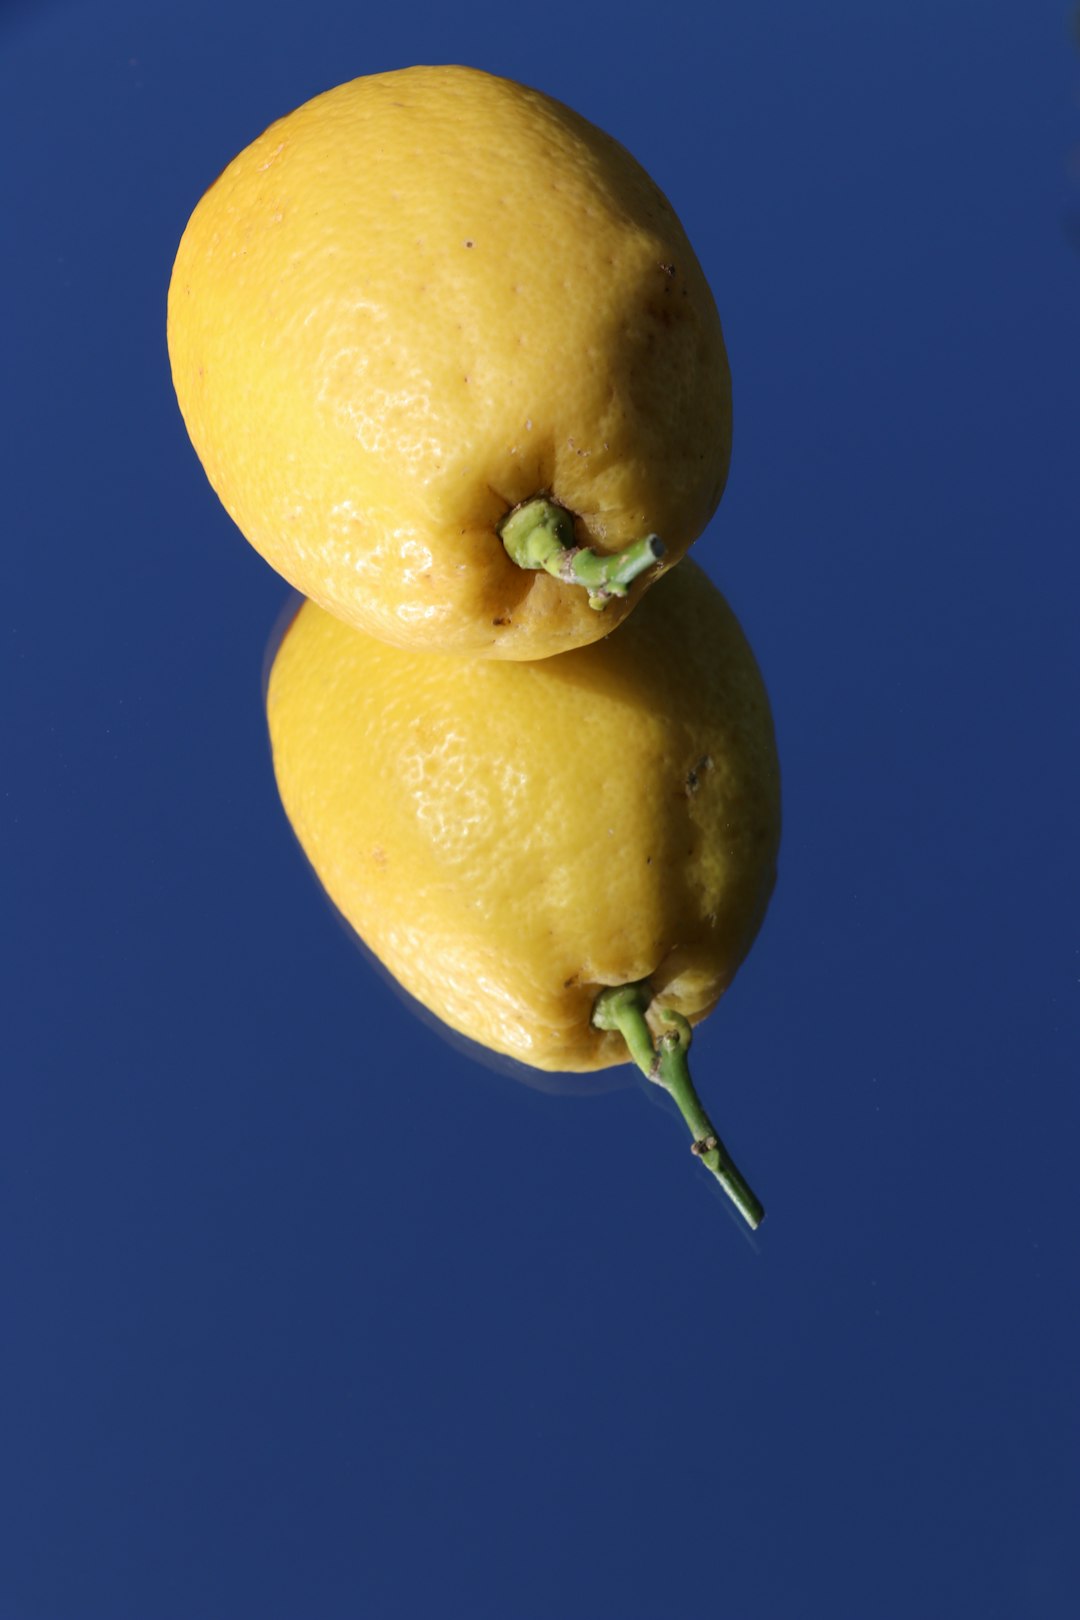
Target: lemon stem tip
point(540, 534)
point(664, 1061)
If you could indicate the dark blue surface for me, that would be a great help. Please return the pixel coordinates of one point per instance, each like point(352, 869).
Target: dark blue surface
point(307, 1316)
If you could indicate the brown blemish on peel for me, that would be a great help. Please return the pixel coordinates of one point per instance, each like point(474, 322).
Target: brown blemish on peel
point(696, 772)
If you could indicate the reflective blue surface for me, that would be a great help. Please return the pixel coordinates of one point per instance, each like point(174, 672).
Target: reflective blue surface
point(306, 1312)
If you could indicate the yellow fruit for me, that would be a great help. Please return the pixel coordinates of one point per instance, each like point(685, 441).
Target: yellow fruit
point(416, 302)
point(510, 838)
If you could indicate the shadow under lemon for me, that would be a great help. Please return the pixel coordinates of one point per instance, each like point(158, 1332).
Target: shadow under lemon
point(563, 862)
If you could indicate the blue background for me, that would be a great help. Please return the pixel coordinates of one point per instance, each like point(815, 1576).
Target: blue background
point(270, 1350)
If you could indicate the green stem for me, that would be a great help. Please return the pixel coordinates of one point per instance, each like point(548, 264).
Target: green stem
point(540, 534)
point(623, 1008)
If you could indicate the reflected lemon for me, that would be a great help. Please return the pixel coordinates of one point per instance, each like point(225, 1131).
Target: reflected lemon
point(417, 303)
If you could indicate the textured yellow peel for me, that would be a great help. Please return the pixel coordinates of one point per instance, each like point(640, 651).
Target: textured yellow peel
point(418, 300)
point(508, 838)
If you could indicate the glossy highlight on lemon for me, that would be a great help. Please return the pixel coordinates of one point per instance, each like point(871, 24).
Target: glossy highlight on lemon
point(420, 300)
point(510, 838)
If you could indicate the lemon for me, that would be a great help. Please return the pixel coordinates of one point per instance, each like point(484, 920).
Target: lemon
point(419, 301)
point(510, 839)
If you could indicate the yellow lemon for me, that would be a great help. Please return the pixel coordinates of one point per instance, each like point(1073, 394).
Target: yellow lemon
point(420, 301)
point(511, 839)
